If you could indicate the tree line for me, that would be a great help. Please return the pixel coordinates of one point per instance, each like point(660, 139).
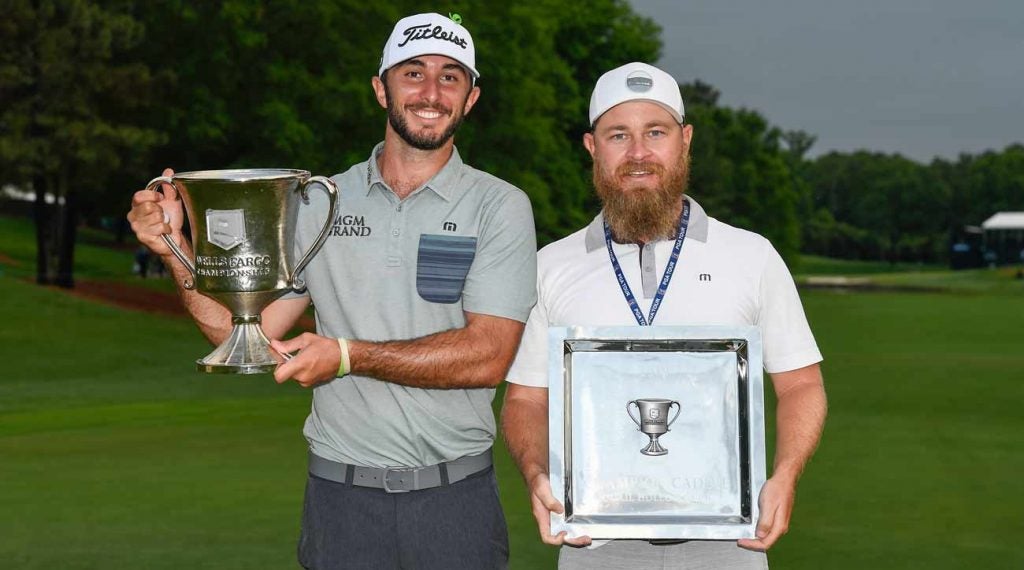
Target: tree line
point(97, 97)
point(865, 205)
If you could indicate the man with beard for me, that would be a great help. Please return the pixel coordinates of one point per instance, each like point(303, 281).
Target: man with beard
point(421, 293)
point(686, 269)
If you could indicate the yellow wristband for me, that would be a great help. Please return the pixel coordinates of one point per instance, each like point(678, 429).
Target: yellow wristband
point(343, 367)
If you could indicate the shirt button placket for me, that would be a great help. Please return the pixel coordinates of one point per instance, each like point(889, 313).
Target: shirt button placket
point(394, 242)
point(648, 271)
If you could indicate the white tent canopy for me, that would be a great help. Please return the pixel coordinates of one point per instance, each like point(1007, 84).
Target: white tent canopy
point(1004, 221)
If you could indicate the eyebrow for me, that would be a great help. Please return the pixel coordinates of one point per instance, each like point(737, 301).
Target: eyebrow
point(447, 67)
point(455, 66)
point(622, 127)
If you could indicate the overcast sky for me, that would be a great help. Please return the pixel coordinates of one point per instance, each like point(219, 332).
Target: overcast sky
point(922, 78)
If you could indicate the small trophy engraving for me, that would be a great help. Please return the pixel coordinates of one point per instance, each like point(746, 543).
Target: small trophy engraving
point(653, 420)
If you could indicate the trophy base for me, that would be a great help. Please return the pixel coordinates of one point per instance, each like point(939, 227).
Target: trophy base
point(246, 351)
point(654, 448)
point(656, 452)
point(202, 366)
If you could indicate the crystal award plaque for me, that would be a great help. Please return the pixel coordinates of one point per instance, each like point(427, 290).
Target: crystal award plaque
point(656, 432)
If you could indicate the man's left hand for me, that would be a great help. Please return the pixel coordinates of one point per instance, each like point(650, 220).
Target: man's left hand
point(776, 505)
point(317, 361)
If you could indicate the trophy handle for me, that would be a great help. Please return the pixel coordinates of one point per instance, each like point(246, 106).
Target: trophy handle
point(332, 192)
point(628, 411)
point(679, 408)
point(155, 184)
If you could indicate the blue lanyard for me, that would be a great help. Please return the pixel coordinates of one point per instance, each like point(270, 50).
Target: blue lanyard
point(684, 221)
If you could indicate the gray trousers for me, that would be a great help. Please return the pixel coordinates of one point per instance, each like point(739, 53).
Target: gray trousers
point(458, 526)
point(692, 555)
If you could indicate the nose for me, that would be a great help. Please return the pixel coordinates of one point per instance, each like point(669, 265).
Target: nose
point(638, 149)
point(431, 90)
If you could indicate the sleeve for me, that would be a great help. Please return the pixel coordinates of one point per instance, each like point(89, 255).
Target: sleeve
point(788, 341)
point(530, 367)
point(503, 278)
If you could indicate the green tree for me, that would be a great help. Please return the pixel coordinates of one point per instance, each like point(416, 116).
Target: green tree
point(740, 171)
point(63, 99)
point(983, 184)
point(287, 84)
point(539, 63)
point(253, 84)
point(898, 207)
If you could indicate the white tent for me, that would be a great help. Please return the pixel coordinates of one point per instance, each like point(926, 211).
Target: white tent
point(1004, 238)
point(1004, 221)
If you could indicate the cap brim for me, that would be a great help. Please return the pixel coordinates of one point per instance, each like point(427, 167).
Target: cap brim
point(675, 113)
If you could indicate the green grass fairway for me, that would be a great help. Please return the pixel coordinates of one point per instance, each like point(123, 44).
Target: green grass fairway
point(921, 461)
point(115, 454)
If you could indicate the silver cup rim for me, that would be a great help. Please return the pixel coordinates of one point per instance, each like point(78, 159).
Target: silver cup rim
point(242, 174)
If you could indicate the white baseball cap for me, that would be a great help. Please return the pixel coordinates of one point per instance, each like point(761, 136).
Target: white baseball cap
point(429, 34)
point(636, 82)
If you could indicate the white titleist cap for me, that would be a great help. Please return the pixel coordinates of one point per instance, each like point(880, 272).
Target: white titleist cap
point(636, 82)
point(429, 34)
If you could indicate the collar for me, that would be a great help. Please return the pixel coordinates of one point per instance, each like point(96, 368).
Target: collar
point(441, 183)
point(698, 228)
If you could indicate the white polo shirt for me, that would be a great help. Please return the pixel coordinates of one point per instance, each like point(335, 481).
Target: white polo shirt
point(724, 276)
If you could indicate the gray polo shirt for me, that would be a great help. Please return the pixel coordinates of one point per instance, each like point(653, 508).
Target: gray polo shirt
point(401, 269)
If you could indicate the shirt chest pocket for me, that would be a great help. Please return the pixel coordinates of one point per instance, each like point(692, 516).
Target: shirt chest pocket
point(442, 264)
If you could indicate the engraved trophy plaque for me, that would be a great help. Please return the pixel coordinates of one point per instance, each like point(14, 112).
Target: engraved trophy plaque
point(653, 413)
point(243, 233)
point(704, 484)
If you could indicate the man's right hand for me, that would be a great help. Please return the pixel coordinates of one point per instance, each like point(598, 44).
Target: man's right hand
point(544, 503)
point(154, 214)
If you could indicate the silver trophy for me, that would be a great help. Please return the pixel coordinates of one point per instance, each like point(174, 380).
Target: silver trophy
point(653, 421)
point(243, 234)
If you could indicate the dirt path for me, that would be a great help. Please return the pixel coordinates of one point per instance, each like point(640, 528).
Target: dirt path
point(128, 297)
point(135, 298)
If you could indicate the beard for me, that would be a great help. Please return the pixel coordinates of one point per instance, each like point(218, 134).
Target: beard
point(423, 140)
point(637, 215)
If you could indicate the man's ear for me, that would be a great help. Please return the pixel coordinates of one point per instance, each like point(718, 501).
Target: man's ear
point(588, 143)
point(474, 94)
point(687, 134)
point(379, 91)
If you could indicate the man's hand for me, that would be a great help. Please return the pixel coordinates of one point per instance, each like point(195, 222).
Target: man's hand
point(317, 361)
point(800, 415)
point(544, 503)
point(154, 214)
point(776, 505)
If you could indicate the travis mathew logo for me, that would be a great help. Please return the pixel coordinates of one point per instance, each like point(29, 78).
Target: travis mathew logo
point(425, 32)
point(350, 225)
point(449, 226)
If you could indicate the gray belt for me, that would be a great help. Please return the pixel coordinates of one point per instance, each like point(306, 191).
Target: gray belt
point(399, 479)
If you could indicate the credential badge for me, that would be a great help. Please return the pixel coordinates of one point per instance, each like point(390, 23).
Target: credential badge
point(225, 228)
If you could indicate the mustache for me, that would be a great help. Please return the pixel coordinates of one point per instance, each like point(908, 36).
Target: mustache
point(626, 168)
point(443, 109)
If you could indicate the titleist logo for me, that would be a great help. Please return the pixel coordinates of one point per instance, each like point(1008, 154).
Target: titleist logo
point(425, 32)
